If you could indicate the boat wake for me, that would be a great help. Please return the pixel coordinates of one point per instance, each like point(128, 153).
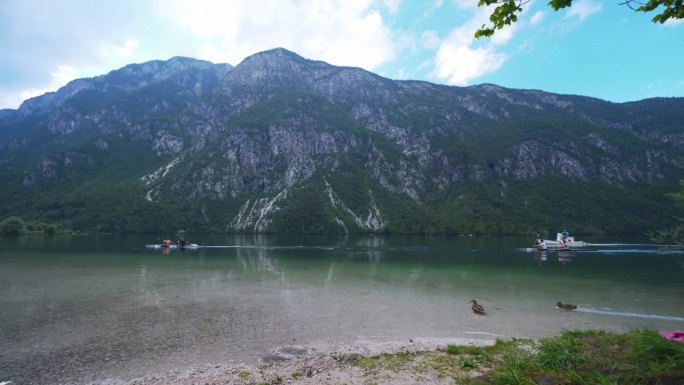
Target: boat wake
point(616, 248)
point(630, 245)
point(630, 314)
point(268, 247)
point(635, 251)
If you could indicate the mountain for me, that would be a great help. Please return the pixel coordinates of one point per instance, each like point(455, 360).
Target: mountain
point(280, 143)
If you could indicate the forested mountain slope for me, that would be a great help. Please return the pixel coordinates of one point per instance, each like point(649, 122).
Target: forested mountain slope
point(280, 143)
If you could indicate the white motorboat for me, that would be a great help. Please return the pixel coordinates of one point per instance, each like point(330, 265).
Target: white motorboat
point(568, 243)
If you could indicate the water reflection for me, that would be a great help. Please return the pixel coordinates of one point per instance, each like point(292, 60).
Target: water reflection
point(564, 257)
point(371, 241)
point(256, 259)
point(331, 274)
point(541, 256)
point(415, 274)
point(243, 293)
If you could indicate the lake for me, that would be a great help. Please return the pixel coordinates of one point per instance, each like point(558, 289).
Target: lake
point(105, 309)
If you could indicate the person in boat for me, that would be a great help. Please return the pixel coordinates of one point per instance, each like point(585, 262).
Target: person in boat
point(540, 244)
point(564, 235)
point(182, 243)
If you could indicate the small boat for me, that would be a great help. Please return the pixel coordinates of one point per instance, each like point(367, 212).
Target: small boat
point(569, 242)
point(173, 246)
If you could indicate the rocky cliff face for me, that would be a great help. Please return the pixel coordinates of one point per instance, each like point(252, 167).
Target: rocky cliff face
point(282, 143)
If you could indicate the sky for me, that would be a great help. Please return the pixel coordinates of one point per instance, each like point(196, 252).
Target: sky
point(595, 48)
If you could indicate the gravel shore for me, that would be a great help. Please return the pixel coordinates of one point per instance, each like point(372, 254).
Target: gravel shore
point(307, 365)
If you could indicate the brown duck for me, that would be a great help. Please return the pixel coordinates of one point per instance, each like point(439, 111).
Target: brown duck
point(477, 308)
point(565, 306)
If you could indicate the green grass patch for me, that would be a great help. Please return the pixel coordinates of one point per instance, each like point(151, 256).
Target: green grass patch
point(594, 357)
point(563, 352)
point(390, 362)
point(443, 365)
point(638, 357)
point(297, 374)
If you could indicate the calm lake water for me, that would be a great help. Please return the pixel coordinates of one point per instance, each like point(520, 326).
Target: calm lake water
point(95, 309)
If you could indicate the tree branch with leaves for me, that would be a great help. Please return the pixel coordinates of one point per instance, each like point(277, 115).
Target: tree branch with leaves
point(506, 11)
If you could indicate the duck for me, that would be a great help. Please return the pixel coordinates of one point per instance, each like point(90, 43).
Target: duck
point(477, 308)
point(565, 306)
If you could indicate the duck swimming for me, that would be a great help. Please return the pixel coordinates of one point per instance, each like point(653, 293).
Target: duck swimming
point(477, 308)
point(565, 306)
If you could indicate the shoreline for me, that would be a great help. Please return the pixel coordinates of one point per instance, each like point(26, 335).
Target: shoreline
point(588, 356)
point(328, 361)
point(314, 365)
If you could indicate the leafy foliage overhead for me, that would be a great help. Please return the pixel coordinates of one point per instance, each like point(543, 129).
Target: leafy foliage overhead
point(506, 11)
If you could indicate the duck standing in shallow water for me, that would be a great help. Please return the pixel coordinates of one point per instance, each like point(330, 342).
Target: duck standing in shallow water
point(565, 306)
point(477, 308)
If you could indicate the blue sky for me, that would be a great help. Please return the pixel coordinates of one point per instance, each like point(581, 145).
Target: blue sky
point(595, 48)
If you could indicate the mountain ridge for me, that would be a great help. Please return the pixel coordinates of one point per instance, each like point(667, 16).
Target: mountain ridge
point(281, 143)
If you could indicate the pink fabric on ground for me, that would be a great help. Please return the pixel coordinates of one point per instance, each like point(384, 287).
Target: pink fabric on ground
point(676, 335)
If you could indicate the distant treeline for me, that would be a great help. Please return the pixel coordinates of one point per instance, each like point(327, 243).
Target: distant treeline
point(16, 226)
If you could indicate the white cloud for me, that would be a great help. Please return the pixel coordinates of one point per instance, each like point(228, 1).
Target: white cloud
point(31, 93)
point(340, 32)
point(429, 40)
point(466, 4)
point(87, 38)
point(429, 11)
point(9, 98)
point(38, 34)
point(124, 49)
point(459, 59)
point(582, 9)
point(458, 65)
point(425, 64)
point(502, 36)
point(673, 22)
point(537, 18)
point(63, 74)
point(59, 78)
point(392, 6)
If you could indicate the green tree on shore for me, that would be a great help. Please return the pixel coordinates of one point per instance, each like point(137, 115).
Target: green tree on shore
point(13, 226)
point(673, 234)
point(676, 234)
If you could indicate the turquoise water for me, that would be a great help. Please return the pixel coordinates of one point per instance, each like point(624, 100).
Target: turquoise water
point(95, 308)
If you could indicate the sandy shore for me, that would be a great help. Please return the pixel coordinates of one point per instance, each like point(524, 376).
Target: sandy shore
point(311, 365)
